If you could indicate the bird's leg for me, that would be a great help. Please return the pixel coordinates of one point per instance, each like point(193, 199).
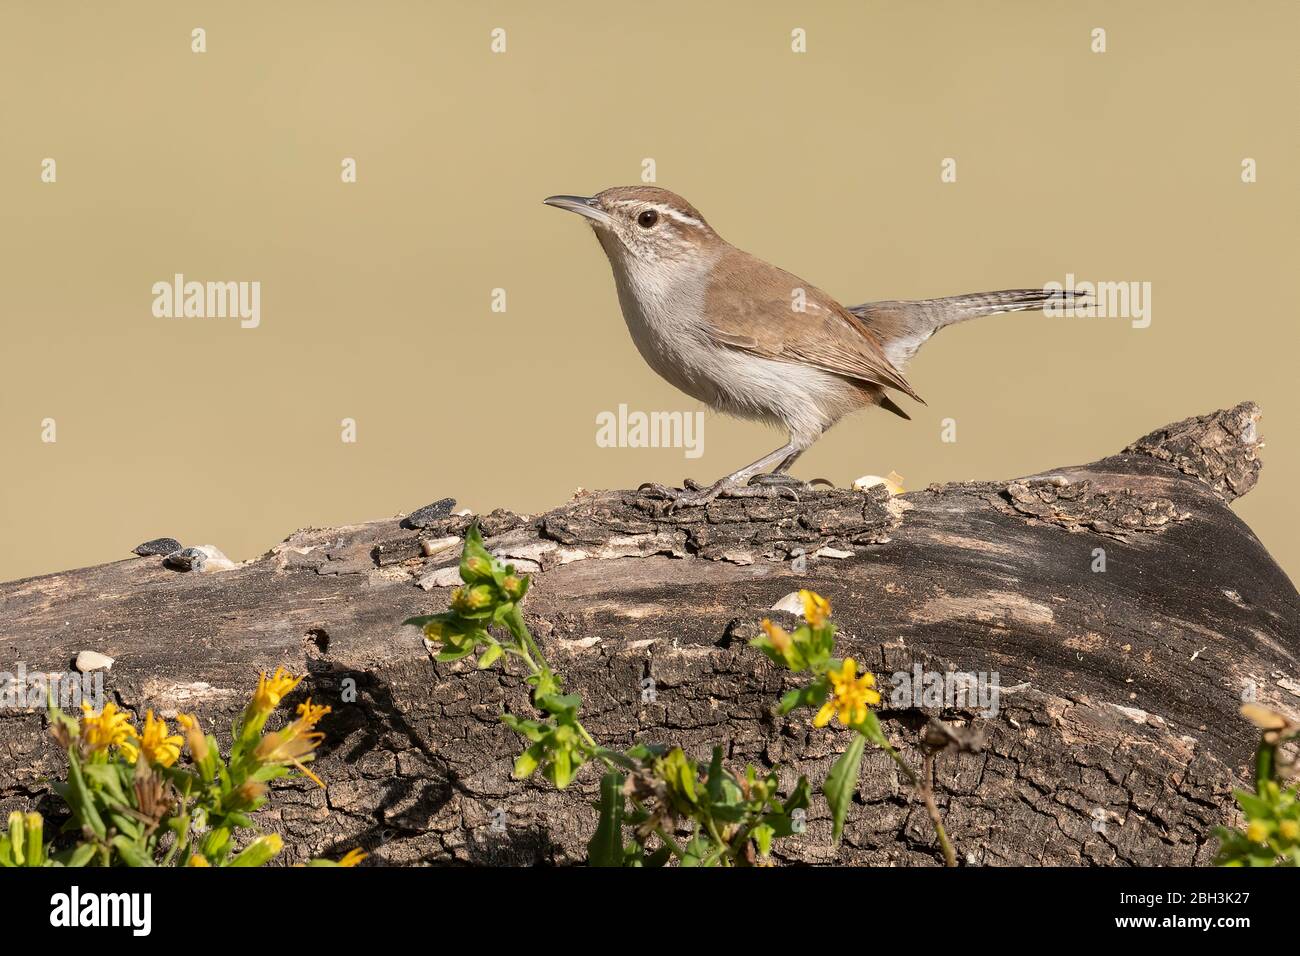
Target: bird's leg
point(735, 484)
point(779, 476)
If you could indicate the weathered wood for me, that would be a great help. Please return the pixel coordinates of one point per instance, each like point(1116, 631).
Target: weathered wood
point(1117, 739)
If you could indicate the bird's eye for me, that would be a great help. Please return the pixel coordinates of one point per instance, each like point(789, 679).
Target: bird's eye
point(647, 219)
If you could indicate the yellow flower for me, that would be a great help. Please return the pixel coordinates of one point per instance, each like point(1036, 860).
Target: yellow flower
point(311, 714)
point(777, 635)
point(1289, 830)
point(1257, 832)
point(353, 857)
point(158, 747)
point(296, 742)
point(197, 860)
point(270, 691)
point(198, 744)
point(110, 728)
point(816, 609)
point(850, 696)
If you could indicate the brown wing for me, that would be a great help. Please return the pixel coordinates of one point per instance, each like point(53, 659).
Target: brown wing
point(759, 316)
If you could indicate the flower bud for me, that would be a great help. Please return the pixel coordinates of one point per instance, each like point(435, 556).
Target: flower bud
point(467, 600)
point(478, 566)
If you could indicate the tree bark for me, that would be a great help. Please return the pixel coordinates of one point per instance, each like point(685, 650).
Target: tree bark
point(1117, 739)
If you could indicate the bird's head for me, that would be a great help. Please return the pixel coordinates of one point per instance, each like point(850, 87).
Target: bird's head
point(644, 226)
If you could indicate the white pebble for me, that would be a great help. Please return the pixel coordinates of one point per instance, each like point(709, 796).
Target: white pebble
point(88, 661)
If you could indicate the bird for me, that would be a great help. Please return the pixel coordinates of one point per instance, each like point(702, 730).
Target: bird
point(754, 341)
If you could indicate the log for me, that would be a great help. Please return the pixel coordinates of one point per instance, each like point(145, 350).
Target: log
point(1121, 607)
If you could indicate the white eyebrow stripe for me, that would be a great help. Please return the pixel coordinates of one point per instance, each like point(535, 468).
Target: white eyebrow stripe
point(660, 207)
point(681, 217)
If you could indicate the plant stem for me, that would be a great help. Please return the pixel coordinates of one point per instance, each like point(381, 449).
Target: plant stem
point(670, 842)
point(925, 786)
point(902, 764)
point(515, 623)
point(1264, 762)
point(927, 794)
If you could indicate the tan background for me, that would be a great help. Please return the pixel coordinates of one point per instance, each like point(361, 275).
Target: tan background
point(375, 296)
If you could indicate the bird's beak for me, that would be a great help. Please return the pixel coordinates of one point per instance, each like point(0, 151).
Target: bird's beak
point(582, 205)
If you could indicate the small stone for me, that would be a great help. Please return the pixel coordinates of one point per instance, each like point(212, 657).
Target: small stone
point(837, 554)
point(202, 557)
point(157, 546)
point(186, 559)
point(432, 546)
point(441, 578)
point(791, 603)
point(421, 517)
point(88, 661)
point(215, 559)
point(893, 483)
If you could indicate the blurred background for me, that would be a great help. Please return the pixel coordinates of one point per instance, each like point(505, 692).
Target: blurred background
point(376, 295)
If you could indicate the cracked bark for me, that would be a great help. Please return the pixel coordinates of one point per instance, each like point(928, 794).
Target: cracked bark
point(1117, 740)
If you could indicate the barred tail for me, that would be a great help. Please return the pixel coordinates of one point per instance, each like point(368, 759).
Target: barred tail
point(902, 327)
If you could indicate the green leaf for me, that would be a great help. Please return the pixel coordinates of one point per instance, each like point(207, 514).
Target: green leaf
point(680, 774)
point(716, 775)
point(81, 855)
point(422, 620)
point(563, 706)
point(490, 656)
point(560, 770)
point(659, 857)
point(125, 824)
point(606, 845)
point(130, 852)
point(476, 564)
point(645, 752)
point(527, 761)
point(623, 760)
point(451, 654)
point(1255, 807)
point(81, 801)
point(259, 852)
point(528, 729)
point(545, 683)
point(870, 728)
point(841, 783)
point(810, 696)
point(800, 798)
point(695, 851)
point(107, 777)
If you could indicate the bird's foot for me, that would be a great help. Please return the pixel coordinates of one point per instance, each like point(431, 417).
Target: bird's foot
point(693, 495)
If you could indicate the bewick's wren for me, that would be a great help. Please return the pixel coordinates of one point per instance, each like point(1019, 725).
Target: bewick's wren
point(753, 340)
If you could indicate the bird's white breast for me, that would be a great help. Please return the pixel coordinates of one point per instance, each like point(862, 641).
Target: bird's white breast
point(663, 307)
